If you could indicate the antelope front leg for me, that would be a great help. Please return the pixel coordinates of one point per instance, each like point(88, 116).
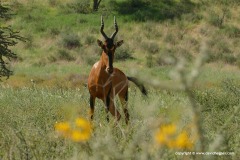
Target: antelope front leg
point(92, 104)
point(111, 107)
point(124, 99)
point(114, 111)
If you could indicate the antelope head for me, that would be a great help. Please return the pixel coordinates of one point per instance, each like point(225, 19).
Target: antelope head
point(109, 46)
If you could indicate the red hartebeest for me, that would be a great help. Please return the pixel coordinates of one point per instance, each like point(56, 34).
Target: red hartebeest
point(105, 81)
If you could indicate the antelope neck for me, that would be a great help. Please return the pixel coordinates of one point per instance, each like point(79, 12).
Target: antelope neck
point(105, 59)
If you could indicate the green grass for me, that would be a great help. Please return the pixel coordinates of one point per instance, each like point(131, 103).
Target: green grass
point(65, 68)
point(29, 115)
point(159, 38)
point(49, 81)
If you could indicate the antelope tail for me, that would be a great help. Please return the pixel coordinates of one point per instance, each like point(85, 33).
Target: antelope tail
point(138, 84)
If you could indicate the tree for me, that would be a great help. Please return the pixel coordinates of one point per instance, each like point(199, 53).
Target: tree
point(8, 38)
point(96, 4)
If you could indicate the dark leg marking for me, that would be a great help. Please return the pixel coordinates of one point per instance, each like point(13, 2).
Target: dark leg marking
point(108, 102)
point(125, 109)
point(91, 107)
point(126, 115)
point(107, 118)
point(126, 96)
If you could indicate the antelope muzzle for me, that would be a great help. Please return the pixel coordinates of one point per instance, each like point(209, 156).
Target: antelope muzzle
point(109, 70)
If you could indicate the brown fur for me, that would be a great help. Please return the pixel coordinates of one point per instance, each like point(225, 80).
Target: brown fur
point(105, 81)
point(101, 84)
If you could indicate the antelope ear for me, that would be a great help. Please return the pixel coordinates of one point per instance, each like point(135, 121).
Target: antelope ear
point(119, 43)
point(100, 43)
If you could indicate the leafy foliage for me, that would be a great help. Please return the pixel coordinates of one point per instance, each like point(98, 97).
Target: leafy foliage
point(82, 6)
point(8, 38)
point(4, 12)
point(143, 10)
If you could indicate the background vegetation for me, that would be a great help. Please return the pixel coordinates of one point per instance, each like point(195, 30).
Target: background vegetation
point(162, 46)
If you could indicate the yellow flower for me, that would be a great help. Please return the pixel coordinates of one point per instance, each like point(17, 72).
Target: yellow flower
point(168, 129)
point(182, 141)
point(160, 138)
point(167, 136)
point(62, 126)
point(83, 124)
point(164, 133)
point(79, 136)
point(81, 131)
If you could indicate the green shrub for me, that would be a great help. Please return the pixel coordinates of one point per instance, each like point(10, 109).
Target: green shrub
point(220, 51)
point(231, 86)
point(30, 42)
point(184, 52)
point(144, 10)
point(90, 59)
point(52, 58)
point(42, 62)
point(225, 97)
point(94, 30)
point(170, 38)
point(149, 61)
point(89, 40)
point(217, 18)
point(54, 31)
point(64, 55)
point(222, 2)
point(216, 99)
point(82, 6)
point(229, 58)
point(151, 47)
point(71, 41)
point(231, 31)
point(52, 2)
point(123, 53)
point(195, 18)
point(61, 54)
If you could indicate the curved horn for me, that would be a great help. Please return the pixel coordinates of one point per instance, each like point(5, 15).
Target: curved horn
point(116, 28)
point(102, 27)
